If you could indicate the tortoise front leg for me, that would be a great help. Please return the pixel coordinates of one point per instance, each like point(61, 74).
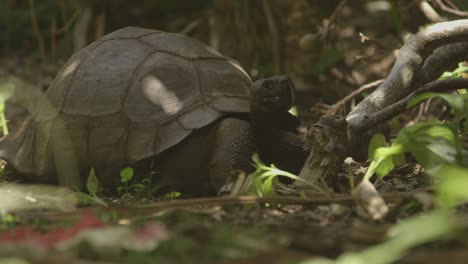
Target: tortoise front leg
point(232, 151)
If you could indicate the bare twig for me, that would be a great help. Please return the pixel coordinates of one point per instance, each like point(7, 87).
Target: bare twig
point(373, 120)
point(450, 10)
point(429, 12)
point(334, 109)
point(328, 24)
point(64, 29)
point(337, 10)
point(100, 28)
point(365, 38)
point(7, 22)
point(273, 28)
point(216, 201)
point(411, 4)
point(37, 33)
point(53, 33)
point(191, 26)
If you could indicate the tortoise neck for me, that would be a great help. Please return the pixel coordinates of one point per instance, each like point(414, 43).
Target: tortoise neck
point(266, 132)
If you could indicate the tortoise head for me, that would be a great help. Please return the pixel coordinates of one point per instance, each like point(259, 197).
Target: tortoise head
point(275, 94)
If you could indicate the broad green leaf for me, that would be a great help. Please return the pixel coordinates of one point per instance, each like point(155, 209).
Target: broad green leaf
point(447, 75)
point(405, 235)
point(268, 186)
point(455, 102)
point(385, 152)
point(432, 152)
point(422, 131)
point(382, 162)
point(377, 141)
point(453, 186)
point(418, 99)
point(442, 132)
point(126, 174)
point(384, 167)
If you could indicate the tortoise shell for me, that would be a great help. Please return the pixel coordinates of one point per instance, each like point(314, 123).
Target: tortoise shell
point(127, 96)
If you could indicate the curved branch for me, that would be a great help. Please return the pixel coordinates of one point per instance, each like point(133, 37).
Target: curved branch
point(411, 58)
point(422, 59)
point(442, 59)
point(389, 112)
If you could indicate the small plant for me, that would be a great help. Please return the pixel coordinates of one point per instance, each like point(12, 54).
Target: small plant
point(128, 190)
point(457, 73)
point(264, 178)
point(172, 195)
point(92, 186)
point(126, 175)
point(7, 220)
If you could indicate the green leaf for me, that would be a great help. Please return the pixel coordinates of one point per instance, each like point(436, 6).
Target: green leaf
point(432, 143)
point(386, 152)
point(377, 141)
point(452, 190)
point(384, 167)
point(6, 91)
point(172, 195)
point(455, 101)
point(418, 99)
point(264, 176)
point(92, 184)
point(441, 131)
point(405, 235)
point(126, 174)
point(382, 160)
point(461, 69)
point(137, 186)
point(83, 198)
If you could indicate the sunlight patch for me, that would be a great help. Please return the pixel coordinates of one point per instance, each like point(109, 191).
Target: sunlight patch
point(71, 68)
point(159, 94)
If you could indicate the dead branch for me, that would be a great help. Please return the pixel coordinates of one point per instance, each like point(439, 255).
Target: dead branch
point(64, 29)
point(400, 82)
point(389, 112)
point(396, 197)
point(430, 13)
point(450, 10)
point(37, 33)
point(442, 59)
point(333, 110)
point(327, 143)
point(273, 28)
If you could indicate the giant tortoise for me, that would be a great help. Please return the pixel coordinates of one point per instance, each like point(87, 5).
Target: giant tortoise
point(139, 93)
